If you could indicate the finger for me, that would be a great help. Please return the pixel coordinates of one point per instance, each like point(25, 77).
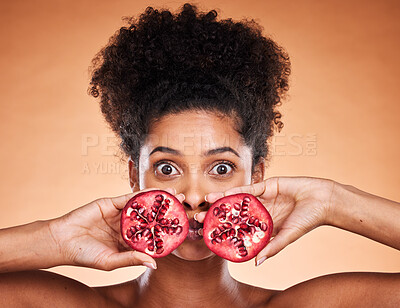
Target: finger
point(267, 189)
point(256, 189)
point(170, 190)
point(286, 185)
point(280, 241)
point(200, 217)
point(120, 201)
point(180, 197)
point(127, 258)
point(214, 196)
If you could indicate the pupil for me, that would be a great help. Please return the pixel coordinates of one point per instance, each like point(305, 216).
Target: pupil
point(166, 169)
point(221, 169)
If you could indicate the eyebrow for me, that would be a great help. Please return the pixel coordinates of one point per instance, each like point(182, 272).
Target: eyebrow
point(221, 150)
point(208, 153)
point(166, 150)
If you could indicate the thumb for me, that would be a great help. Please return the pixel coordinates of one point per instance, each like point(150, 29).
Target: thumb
point(280, 241)
point(127, 258)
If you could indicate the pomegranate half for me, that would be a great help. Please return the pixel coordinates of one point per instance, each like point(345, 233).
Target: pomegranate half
point(154, 222)
point(237, 227)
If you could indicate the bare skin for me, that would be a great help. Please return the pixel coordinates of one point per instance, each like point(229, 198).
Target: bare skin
point(89, 236)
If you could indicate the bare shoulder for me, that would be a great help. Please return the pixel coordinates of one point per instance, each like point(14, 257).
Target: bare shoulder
point(342, 289)
point(253, 297)
point(123, 294)
point(40, 288)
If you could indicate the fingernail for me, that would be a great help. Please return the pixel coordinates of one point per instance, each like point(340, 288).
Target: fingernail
point(261, 260)
point(173, 190)
point(150, 265)
point(195, 217)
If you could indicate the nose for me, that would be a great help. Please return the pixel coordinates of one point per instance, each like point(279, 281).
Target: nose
point(194, 206)
point(194, 200)
point(194, 196)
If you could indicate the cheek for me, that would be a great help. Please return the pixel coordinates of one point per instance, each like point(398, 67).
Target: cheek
point(246, 176)
point(145, 181)
point(242, 177)
point(146, 177)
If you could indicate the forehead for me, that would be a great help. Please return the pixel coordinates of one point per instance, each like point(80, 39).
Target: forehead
point(194, 132)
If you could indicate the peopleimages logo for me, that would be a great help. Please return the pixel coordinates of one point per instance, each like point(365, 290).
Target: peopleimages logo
point(294, 145)
point(101, 154)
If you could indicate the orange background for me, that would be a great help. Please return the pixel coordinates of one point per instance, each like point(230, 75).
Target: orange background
point(341, 119)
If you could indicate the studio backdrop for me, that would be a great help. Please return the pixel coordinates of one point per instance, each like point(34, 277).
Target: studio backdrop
point(341, 118)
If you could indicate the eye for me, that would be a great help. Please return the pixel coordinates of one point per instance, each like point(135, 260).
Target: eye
point(222, 168)
point(164, 168)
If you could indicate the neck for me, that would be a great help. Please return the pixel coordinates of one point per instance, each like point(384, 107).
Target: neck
point(178, 282)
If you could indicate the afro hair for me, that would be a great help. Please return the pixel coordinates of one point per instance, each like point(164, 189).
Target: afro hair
point(163, 63)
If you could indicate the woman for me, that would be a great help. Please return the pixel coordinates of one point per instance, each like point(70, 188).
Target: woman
point(194, 102)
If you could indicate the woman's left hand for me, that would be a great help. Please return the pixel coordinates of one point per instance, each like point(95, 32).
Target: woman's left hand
point(297, 205)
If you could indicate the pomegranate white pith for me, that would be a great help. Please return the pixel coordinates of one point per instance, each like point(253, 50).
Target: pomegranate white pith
point(154, 222)
point(237, 227)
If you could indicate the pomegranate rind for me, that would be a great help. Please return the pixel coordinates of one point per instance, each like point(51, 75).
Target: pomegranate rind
point(253, 237)
point(130, 225)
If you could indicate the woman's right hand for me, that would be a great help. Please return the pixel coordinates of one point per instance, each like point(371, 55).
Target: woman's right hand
point(90, 236)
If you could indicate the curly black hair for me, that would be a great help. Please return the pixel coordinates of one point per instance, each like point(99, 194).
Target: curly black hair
point(163, 63)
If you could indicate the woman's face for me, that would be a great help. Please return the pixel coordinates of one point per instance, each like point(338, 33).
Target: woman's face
point(197, 153)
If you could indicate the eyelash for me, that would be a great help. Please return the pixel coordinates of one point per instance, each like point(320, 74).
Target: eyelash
point(232, 165)
point(155, 166)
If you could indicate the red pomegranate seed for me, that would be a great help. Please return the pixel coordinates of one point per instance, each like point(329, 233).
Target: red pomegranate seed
point(216, 211)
